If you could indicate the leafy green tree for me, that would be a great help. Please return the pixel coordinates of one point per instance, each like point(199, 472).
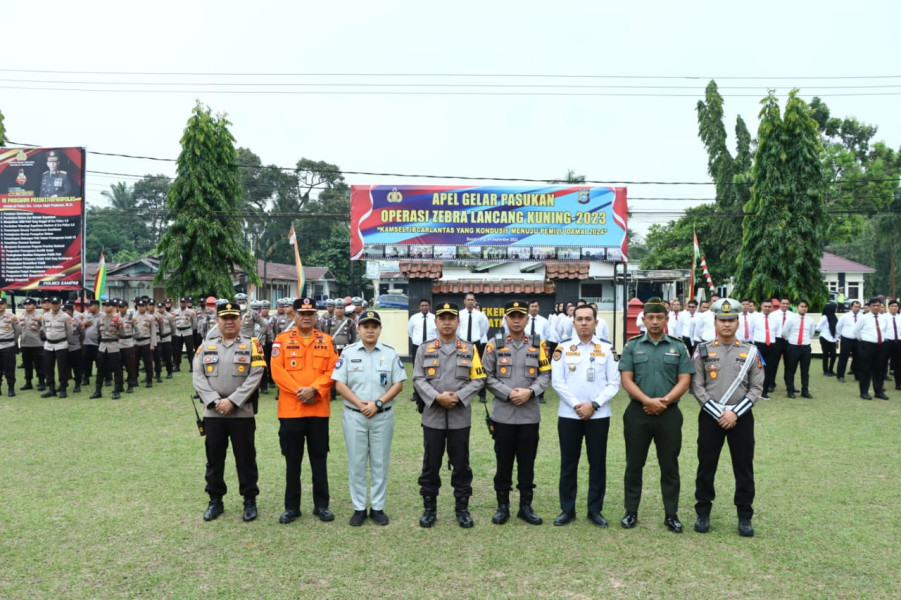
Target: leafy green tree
point(150, 194)
point(782, 239)
point(106, 230)
point(121, 197)
point(202, 250)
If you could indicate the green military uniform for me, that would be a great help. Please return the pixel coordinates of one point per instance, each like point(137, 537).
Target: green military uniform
point(656, 366)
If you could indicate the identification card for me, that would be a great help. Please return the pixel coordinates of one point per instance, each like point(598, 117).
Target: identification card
point(589, 374)
point(383, 378)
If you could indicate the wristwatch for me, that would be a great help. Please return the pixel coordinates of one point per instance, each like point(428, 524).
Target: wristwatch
point(379, 404)
point(595, 405)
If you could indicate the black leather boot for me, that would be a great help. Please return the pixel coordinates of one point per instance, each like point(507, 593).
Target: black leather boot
point(430, 514)
point(525, 509)
point(503, 509)
point(463, 516)
point(51, 391)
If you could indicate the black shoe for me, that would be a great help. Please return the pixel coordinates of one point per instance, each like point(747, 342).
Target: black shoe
point(379, 517)
point(541, 400)
point(897, 387)
point(176, 370)
point(673, 524)
point(86, 381)
point(76, 389)
point(12, 392)
point(791, 395)
point(250, 509)
point(882, 396)
point(130, 389)
point(62, 394)
point(866, 397)
point(430, 512)
point(502, 515)
point(27, 386)
point(765, 396)
point(464, 519)
point(288, 516)
point(116, 395)
point(702, 525)
point(264, 390)
point(806, 395)
point(95, 395)
point(159, 379)
point(48, 394)
point(213, 510)
point(840, 379)
point(168, 375)
point(482, 400)
point(528, 515)
point(629, 521)
point(324, 514)
point(744, 528)
point(597, 518)
point(795, 390)
point(41, 387)
point(357, 518)
point(564, 518)
point(828, 374)
point(149, 384)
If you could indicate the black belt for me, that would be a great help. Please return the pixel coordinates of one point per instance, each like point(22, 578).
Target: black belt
point(57, 341)
point(378, 410)
point(109, 340)
point(142, 339)
point(184, 328)
point(127, 337)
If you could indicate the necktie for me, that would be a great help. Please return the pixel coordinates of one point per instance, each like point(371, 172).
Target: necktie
point(469, 327)
point(878, 330)
point(855, 317)
point(784, 313)
point(801, 331)
point(895, 325)
point(425, 325)
point(766, 321)
point(532, 335)
point(747, 333)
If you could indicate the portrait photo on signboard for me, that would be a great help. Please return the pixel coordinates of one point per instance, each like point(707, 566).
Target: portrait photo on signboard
point(568, 254)
point(420, 252)
point(397, 251)
point(594, 253)
point(519, 252)
point(445, 252)
point(469, 252)
point(544, 253)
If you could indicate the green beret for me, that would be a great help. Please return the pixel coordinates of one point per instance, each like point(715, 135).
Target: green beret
point(655, 305)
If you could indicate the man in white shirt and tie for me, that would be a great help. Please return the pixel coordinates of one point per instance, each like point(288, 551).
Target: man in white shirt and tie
point(686, 320)
point(765, 330)
point(420, 329)
point(748, 312)
point(473, 328)
point(870, 336)
point(847, 340)
point(892, 336)
point(797, 333)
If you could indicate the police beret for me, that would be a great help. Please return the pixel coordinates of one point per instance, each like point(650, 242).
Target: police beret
point(329, 302)
point(655, 305)
point(55, 300)
point(30, 301)
point(356, 301)
point(447, 308)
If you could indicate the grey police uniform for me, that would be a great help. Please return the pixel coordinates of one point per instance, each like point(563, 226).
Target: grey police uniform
point(127, 350)
point(249, 323)
point(109, 359)
point(89, 345)
point(32, 348)
point(56, 347)
point(230, 370)
point(183, 335)
point(145, 339)
point(165, 323)
point(9, 334)
point(510, 364)
point(369, 374)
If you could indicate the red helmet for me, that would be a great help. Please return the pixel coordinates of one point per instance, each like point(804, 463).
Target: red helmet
point(211, 301)
point(347, 301)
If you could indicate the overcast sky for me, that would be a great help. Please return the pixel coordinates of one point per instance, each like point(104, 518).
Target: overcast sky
point(670, 49)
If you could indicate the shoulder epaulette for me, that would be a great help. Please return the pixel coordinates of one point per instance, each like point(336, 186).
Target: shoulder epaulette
point(635, 337)
point(676, 339)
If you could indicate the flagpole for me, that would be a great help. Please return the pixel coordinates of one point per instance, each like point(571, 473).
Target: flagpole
point(292, 239)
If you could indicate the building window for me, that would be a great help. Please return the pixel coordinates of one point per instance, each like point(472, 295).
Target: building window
point(853, 291)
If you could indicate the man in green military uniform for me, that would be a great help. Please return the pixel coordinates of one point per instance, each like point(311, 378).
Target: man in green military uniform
point(727, 381)
point(656, 370)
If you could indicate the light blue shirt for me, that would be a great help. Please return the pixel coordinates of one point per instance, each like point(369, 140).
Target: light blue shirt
point(368, 373)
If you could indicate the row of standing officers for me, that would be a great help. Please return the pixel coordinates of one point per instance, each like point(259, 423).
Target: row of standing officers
point(726, 377)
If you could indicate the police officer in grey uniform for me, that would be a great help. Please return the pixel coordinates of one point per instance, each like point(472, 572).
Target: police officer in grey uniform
point(127, 349)
point(32, 345)
point(91, 340)
point(728, 381)
point(266, 338)
point(324, 322)
point(165, 324)
point(517, 371)
point(250, 321)
point(447, 373)
point(75, 346)
point(57, 327)
point(183, 335)
point(9, 334)
point(368, 375)
point(145, 339)
point(109, 360)
point(343, 331)
point(226, 374)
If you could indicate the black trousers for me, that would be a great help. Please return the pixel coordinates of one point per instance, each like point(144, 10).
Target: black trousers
point(130, 364)
point(60, 360)
point(414, 350)
point(794, 356)
point(188, 343)
point(688, 345)
point(163, 355)
point(145, 355)
point(665, 430)
point(770, 355)
point(76, 365)
point(571, 433)
point(741, 447)
point(829, 355)
point(33, 359)
point(519, 443)
point(8, 365)
point(109, 364)
point(291, 435)
point(241, 432)
point(435, 441)
point(88, 358)
point(893, 360)
point(848, 348)
point(869, 367)
point(267, 354)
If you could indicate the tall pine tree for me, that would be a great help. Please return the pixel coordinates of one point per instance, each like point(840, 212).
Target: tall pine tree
point(782, 237)
point(202, 249)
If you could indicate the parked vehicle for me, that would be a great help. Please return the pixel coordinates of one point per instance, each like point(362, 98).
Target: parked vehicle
point(394, 301)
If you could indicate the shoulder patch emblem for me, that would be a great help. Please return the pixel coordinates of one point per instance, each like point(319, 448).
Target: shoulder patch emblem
point(558, 353)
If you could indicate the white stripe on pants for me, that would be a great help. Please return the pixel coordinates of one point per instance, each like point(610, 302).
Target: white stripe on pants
point(368, 438)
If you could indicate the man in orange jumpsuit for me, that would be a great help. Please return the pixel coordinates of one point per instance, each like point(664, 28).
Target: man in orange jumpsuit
point(302, 362)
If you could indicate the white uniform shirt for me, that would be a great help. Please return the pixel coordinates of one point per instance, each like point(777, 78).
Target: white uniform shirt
point(639, 322)
point(845, 325)
point(415, 326)
point(705, 327)
point(745, 330)
point(550, 329)
point(891, 330)
point(540, 324)
point(823, 329)
point(866, 327)
point(800, 327)
point(570, 376)
point(479, 326)
point(685, 319)
point(602, 331)
point(759, 327)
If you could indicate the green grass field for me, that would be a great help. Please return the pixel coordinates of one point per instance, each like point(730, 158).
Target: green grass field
point(103, 499)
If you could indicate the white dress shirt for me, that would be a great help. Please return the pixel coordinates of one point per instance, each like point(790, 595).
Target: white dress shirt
point(866, 327)
point(479, 326)
point(825, 333)
point(800, 326)
point(845, 325)
point(759, 326)
point(745, 331)
point(569, 376)
point(602, 331)
point(414, 328)
point(891, 330)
